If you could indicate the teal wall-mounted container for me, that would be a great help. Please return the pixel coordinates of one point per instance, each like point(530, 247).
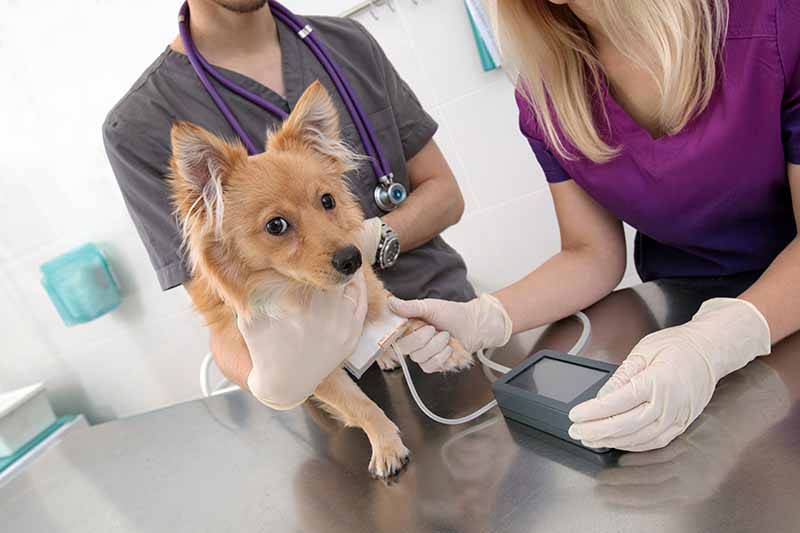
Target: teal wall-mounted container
point(81, 285)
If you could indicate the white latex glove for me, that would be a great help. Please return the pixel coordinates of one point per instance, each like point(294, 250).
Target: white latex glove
point(480, 323)
point(293, 353)
point(691, 469)
point(669, 377)
point(370, 238)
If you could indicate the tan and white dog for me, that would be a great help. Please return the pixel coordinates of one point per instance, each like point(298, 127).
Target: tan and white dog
point(255, 227)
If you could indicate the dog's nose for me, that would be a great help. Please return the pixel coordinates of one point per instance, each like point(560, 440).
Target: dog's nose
point(347, 260)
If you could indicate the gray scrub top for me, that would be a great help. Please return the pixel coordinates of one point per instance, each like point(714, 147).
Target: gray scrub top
point(137, 140)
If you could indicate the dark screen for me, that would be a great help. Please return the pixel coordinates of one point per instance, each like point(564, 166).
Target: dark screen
point(556, 379)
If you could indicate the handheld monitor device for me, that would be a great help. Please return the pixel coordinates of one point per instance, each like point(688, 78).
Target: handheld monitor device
point(541, 391)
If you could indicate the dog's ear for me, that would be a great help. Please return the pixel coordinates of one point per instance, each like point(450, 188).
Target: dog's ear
point(201, 167)
point(201, 164)
point(201, 157)
point(313, 123)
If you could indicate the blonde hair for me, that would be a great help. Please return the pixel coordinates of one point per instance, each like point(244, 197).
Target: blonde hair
point(549, 50)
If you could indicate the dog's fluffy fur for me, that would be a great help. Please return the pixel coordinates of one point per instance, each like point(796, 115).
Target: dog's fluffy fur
point(224, 199)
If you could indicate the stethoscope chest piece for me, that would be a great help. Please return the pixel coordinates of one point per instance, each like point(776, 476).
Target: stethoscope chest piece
point(389, 194)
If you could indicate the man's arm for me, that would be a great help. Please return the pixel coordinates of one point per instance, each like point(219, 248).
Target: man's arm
point(227, 344)
point(777, 293)
point(435, 202)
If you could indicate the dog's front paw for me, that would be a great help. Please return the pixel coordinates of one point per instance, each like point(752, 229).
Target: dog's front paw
point(388, 459)
point(388, 361)
point(459, 360)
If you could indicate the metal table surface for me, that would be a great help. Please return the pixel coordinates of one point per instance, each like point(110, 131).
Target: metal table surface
point(229, 464)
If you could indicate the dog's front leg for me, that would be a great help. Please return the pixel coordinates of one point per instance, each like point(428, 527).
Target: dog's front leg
point(341, 397)
point(459, 359)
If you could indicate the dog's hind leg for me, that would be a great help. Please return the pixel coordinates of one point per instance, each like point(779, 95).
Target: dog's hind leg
point(340, 396)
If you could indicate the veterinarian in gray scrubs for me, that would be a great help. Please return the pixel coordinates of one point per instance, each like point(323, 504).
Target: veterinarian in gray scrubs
point(265, 57)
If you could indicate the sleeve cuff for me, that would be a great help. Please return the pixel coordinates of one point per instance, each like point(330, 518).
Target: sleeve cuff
point(553, 171)
point(421, 135)
point(172, 275)
point(790, 124)
point(792, 154)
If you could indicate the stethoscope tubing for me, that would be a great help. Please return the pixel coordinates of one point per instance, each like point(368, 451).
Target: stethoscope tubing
point(191, 53)
point(362, 124)
point(202, 67)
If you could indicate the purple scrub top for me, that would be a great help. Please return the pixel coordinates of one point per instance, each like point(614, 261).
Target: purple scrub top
point(714, 199)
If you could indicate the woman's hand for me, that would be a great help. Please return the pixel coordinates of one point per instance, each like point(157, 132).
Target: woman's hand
point(479, 323)
point(692, 468)
point(669, 377)
point(293, 353)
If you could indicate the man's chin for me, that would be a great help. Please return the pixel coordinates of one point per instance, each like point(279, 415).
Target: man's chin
point(241, 6)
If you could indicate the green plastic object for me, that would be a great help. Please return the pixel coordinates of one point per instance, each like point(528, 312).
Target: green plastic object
point(80, 285)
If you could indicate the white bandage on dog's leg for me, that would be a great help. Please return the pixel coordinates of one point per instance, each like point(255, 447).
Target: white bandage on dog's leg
point(377, 336)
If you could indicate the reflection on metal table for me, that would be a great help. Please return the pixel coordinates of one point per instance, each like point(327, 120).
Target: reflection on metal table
point(229, 464)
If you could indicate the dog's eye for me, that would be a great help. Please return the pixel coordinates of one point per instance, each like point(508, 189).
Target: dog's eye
point(328, 201)
point(277, 226)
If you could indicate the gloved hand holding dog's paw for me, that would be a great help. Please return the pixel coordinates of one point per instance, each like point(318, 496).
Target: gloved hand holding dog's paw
point(480, 323)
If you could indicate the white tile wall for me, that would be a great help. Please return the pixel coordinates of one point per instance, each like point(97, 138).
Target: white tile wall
point(66, 63)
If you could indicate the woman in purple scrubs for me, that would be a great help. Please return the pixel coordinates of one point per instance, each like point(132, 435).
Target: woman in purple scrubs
point(681, 118)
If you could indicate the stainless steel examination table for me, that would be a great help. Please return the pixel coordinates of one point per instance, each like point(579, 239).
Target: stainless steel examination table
point(229, 464)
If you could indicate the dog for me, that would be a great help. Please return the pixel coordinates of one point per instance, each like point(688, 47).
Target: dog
point(235, 212)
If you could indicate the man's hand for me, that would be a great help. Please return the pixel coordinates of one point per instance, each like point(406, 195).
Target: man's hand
point(292, 354)
point(370, 238)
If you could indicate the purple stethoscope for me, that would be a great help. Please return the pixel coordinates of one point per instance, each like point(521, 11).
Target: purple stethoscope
point(388, 194)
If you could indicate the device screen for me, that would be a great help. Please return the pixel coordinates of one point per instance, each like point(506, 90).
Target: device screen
point(556, 379)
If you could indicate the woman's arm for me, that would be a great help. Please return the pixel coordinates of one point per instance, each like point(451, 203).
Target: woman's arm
point(777, 293)
point(588, 267)
point(591, 263)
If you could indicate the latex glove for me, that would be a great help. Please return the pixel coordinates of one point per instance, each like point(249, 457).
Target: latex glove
point(669, 377)
point(294, 352)
point(691, 469)
point(370, 238)
point(480, 323)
